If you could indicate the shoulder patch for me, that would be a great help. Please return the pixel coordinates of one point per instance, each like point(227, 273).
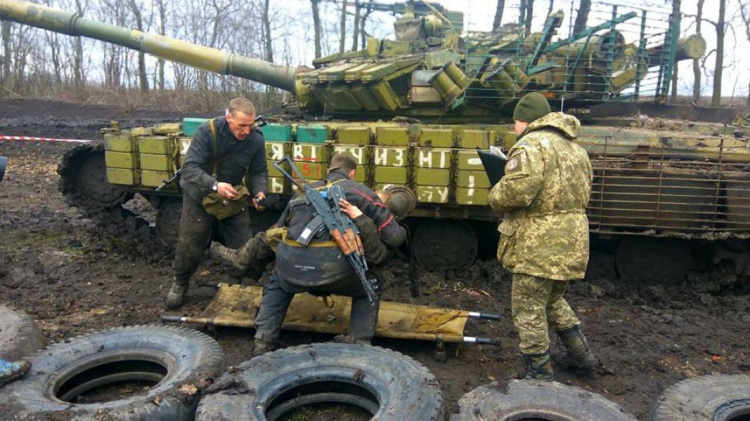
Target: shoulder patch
point(512, 164)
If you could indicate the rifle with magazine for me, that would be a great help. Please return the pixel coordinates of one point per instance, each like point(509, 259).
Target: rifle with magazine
point(342, 229)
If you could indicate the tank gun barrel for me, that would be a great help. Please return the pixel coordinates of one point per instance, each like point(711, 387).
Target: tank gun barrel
point(206, 58)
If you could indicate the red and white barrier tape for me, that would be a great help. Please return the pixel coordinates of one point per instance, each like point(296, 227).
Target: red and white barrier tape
point(42, 139)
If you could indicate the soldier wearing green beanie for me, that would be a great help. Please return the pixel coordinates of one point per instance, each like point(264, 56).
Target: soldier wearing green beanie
point(544, 237)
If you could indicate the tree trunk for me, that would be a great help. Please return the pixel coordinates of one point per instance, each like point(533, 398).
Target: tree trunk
point(78, 73)
point(162, 31)
point(719, 69)
point(362, 31)
point(270, 90)
point(142, 75)
point(583, 16)
point(342, 37)
point(745, 13)
point(529, 16)
point(6, 55)
point(316, 25)
point(355, 31)
point(697, 62)
point(498, 21)
point(676, 5)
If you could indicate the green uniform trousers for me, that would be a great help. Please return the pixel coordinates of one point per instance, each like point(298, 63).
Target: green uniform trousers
point(536, 303)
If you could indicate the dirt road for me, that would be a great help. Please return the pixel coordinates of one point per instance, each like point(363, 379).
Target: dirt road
point(76, 275)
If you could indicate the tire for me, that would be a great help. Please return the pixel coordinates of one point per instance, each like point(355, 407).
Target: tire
point(19, 335)
point(178, 362)
point(529, 399)
point(715, 398)
point(385, 383)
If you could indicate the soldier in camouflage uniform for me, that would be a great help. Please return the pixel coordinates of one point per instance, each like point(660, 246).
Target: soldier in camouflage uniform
point(320, 267)
point(544, 237)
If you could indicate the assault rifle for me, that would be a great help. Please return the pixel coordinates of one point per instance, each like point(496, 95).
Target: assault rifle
point(328, 215)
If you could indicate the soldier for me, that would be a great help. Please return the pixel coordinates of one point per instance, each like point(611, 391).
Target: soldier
point(320, 267)
point(12, 370)
point(223, 152)
point(544, 237)
point(252, 258)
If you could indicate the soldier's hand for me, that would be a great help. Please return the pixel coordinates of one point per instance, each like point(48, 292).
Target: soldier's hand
point(257, 199)
point(226, 190)
point(350, 210)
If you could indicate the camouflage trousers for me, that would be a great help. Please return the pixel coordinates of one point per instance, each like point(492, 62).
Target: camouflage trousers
point(535, 304)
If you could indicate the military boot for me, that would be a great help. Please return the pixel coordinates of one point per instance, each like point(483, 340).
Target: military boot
point(260, 347)
point(578, 354)
point(539, 367)
point(231, 256)
point(10, 371)
point(177, 294)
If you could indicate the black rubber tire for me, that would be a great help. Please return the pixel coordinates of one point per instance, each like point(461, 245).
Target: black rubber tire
point(705, 398)
point(400, 387)
point(187, 362)
point(168, 217)
point(19, 335)
point(83, 180)
point(532, 399)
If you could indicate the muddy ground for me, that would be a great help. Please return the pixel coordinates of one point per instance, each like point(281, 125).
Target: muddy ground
point(75, 275)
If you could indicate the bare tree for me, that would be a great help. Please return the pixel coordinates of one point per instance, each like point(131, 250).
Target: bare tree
point(498, 21)
point(161, 7)
point(696, 62)
point(317, 26)
point(355, 31)
point(270, 91)
point(582, 17)
point(528, 13)
point(363, 32)
point(675, 17)
point(342, 25)
point(142, 75)
point(745, 13)
point(719, 68)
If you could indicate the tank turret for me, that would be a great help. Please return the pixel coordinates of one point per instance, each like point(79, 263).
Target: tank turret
point(429, 71)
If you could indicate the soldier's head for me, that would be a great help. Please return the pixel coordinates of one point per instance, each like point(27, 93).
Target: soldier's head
point(240, 117)
point(531, 107)
point(344, 163)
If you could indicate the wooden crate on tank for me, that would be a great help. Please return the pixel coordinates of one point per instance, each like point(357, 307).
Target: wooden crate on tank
point(361, 156)
point(636, 200)
point(432, 174)
point(391, 165)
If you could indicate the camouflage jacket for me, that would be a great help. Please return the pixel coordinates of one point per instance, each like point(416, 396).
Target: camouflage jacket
point(543, 197)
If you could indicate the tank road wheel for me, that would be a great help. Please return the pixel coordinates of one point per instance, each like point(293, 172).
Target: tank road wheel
point(83, 180)
point(535, 400)
point(445, 243)
point(131, 373)
point(652, 259)
point(381, 384)
point(716, 397)
point(168, 216)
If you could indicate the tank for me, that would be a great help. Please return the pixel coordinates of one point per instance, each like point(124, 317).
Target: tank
point(412, 110)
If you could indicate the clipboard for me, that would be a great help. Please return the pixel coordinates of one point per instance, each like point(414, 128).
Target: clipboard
point(494, 165)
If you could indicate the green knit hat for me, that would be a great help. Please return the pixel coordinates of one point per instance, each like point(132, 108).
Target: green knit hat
point(531, 107)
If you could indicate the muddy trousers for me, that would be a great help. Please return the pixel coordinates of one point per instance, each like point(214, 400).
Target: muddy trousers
point(277, 295)
point(537, 303)
point(195, 233)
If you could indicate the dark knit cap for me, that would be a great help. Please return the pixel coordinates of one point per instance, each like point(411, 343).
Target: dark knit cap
point(531, 107)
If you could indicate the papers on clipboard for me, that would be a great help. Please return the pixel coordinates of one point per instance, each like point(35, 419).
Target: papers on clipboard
point(494, 163)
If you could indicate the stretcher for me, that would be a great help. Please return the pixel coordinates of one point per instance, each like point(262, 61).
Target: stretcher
point(236, 306)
